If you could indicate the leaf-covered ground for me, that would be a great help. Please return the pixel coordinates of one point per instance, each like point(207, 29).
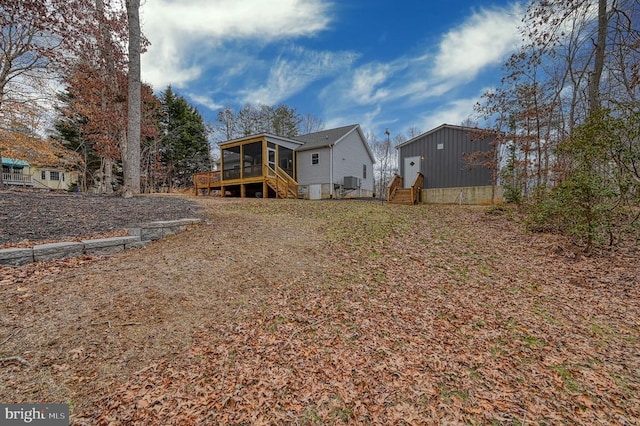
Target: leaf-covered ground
point(298, 312)
point(30, 217)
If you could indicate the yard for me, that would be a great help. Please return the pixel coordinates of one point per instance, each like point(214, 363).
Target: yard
point(350, 312)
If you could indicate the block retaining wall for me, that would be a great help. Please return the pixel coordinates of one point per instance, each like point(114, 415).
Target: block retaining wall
point(474, 195)
point(138, 237)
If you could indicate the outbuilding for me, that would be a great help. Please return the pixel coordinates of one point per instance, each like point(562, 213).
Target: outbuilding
point(456, 164)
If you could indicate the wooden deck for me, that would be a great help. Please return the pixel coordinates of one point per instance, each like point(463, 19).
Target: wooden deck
point(281, 184)
point(207, 180)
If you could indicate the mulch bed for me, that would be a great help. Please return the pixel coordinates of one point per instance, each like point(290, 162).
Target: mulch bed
point(28, 218)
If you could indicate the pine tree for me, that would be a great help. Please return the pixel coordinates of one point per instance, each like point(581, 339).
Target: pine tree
point(185, 147)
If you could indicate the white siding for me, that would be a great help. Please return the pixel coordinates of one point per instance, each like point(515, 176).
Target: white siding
point(309, 174)
point(349, 156)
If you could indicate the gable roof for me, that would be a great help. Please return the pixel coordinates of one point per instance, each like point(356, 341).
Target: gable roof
point(437, 129)
point(321, 139)
point(327, 138)
point(324, 138)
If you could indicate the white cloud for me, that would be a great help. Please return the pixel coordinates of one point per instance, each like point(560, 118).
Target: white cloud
point(440, 74)
point(454, 112)
point(184, 32)
point(204, 101)
point(294, 70)
point(483, 40)
point(365, 81)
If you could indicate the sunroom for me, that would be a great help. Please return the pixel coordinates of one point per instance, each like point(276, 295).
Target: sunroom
point(262, 166)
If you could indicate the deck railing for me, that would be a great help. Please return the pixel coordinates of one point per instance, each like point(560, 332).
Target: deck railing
point(206, 179)
point(283, 184)
point(17, 179)
point(396, 194)
point(395, 183)
point(417, 187)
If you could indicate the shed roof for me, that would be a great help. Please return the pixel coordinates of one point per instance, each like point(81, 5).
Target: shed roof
point(268, 136)
point(437, 129)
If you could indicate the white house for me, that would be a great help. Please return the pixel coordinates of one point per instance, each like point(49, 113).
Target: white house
point(335, 163)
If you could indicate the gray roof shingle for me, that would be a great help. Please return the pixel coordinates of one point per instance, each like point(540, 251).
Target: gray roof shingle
point(324, 137)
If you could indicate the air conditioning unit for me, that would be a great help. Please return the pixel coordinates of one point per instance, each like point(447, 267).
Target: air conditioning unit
point(351, 182)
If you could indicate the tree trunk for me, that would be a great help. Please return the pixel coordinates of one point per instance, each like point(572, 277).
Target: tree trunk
point(131, 149)
point(1, 180)
point(598, 66)
point(107, 178)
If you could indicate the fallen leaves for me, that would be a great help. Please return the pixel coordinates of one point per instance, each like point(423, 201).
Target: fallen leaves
point(451, 319)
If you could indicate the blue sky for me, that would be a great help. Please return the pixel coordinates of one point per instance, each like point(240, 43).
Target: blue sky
point(382, 64)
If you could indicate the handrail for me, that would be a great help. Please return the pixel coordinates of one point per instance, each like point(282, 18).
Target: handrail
point(290, 185)
point(283, 184)
point(395, 183)
point(416, 187)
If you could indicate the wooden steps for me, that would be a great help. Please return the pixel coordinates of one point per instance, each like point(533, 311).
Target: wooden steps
point(402, 196)
point(396, 194)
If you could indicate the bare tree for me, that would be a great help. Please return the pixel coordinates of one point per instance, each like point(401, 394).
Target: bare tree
point(34, 36)
point(412, 132)
point(385, 156)
point(311, 124)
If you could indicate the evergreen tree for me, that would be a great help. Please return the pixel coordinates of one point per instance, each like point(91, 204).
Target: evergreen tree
point(185, 148)
point(286, 121)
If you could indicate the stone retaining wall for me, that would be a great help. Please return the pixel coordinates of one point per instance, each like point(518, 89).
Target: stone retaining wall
point(138, 237)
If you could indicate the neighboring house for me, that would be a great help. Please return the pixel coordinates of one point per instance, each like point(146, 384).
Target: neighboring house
point(333, 163)
point(17, 172)
point(450, 161)
point(53, 178)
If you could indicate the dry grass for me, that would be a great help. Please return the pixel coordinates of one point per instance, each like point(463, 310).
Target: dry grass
point(330, 312)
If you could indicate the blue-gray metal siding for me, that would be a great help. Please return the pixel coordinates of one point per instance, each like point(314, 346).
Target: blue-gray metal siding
point(446, 167)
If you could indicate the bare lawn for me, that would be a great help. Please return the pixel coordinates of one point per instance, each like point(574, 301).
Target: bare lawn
point(330, 312)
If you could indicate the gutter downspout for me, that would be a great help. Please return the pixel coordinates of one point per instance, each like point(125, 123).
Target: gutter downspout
point(331, 171)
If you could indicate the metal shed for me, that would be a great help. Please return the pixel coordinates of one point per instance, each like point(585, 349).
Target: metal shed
point(443, 156)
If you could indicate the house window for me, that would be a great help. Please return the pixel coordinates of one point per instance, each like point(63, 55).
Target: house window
point(315, 158)
point(43, 175)
point(54, 175)
point(364, 171)
point(63, 176)
point(440, 146)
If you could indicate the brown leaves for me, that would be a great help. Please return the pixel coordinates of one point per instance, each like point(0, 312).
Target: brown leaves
point(19, 139)
point(454, 318)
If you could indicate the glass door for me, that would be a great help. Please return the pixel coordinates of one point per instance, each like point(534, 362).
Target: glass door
point(271, 159)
